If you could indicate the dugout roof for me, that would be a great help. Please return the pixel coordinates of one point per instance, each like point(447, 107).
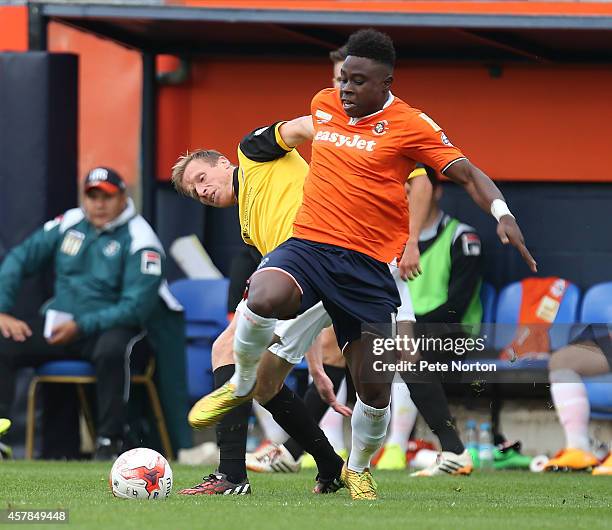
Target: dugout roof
point(545, 32)
point(487, 31)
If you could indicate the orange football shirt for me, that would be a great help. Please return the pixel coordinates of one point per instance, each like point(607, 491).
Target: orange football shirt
point(354, 193)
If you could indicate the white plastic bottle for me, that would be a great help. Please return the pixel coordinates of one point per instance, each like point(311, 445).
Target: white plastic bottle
point(485, 447)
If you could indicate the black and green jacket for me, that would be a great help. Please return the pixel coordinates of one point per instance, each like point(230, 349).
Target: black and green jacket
point(104, 277)
point(448, 291)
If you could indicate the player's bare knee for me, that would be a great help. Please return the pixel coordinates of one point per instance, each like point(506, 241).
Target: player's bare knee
point(277, 296)
point(561, 360)
point(553, 363)
point(262, 305)
point(273, 304)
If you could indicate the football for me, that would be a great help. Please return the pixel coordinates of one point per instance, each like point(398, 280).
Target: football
point(141, 473)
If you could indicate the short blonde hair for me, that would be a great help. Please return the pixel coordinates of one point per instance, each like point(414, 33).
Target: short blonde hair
point(178, 170)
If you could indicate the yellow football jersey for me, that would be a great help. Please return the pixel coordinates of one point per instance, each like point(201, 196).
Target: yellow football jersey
point(269, 184)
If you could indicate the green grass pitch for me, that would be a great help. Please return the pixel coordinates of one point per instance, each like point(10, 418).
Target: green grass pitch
point(495, 500)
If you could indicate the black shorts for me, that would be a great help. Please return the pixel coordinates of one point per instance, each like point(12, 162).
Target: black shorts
point(355, 289)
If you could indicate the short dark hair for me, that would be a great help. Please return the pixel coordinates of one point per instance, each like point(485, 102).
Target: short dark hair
point(335, 56)
point(372, 44)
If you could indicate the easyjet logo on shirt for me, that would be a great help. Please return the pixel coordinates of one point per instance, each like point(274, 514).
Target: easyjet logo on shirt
point(340, 140)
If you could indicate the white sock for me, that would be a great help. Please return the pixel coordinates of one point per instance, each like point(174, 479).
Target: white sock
point(332, 423)
point(403, 415)
point(369, 430)
point(252, 337)
point(272, 430)
point(572, 405)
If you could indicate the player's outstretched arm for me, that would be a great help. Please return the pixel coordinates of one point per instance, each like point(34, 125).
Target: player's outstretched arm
point(486, 194)
point(297, 131)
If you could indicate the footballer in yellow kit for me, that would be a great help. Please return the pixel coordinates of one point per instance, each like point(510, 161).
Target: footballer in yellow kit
point(268, 184)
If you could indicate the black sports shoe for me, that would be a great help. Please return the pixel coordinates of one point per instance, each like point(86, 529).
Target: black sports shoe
point(107, 448)
point(324, 486)
point(217, 484)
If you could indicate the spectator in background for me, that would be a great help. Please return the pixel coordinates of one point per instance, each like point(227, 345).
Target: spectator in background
point(589, 355)
point(109, 267)
point(337, 58)
point(448, 291)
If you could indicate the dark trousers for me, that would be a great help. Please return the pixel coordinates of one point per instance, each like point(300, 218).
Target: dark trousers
point(108, 351)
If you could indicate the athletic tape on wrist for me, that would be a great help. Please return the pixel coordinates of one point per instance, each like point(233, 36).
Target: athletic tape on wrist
point(500, 208)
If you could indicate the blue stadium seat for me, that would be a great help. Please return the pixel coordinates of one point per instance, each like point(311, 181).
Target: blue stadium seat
point(508, 308)
point(599, 390)
point(508, 304)
point(80, 373)
point(205, 304)
point(597, 308)
point(597, 304)
point(67, 368)
point(292, 378)
point(488, 299)
point(199, 369)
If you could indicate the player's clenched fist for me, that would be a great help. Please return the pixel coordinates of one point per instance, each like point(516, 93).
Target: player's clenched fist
point(409, 265)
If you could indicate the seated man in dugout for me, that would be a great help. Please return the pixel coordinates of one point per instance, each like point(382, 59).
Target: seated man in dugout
point(109, 266)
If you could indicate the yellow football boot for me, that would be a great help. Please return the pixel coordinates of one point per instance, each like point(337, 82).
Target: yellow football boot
point(212, 407)
point(308, 462)
point(605, 468)
point(571, 460)
point(393, 458)
point(5, 425)
point(6, 452)
point(361, 486)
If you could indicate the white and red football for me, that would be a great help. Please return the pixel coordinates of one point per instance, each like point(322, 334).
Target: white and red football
point(141, 473)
